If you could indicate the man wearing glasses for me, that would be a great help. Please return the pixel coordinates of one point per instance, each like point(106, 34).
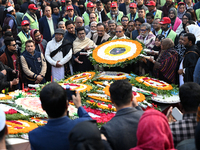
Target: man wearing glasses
point(138, 23)
point(119, 33)
point(124, 22)
point(130, 28)
point(132, 15)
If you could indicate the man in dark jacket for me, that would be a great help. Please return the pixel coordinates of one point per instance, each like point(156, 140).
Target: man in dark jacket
point(190, 58)
point(121, 130)
point(166, 7)
point(70, 35)
point(124, 7)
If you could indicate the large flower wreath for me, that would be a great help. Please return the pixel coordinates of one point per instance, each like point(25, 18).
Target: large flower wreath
point(116, 53)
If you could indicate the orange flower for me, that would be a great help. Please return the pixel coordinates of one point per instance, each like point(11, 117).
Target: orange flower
point(6, 97)
point(82, 76)
point(102, 106)
point(99, 98)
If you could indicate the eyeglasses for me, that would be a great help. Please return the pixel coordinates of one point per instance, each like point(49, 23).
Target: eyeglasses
point(13, 45)
point(124, 20)
point(184, 18)
point(137, 25)
point(92, 17)
point(118, 31)
point(130, 25)
point(142, 30)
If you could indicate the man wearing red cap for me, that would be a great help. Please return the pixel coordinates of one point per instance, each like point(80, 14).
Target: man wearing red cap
point(114, 13)
point(85, 16)
point(166, 31)
point(152, 9)
point(23, 35)
point(70, 14)
point(132, 14)
point(31, 16)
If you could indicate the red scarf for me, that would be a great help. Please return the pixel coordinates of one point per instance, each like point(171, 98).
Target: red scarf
point(37, 42)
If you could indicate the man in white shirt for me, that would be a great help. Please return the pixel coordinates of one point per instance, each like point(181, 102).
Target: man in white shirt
point(119, 33)
point(58, 53)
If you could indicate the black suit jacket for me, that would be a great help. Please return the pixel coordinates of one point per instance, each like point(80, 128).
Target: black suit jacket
point(122, 7)
point(121, 130)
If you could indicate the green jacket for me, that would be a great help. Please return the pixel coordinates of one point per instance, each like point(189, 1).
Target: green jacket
point(119, 17)
point(23, 39)
point(33, 23)
point(157, 15)
point(172, 35)
point(87, 19)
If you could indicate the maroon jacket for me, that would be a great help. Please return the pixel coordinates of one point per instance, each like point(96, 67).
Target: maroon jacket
point(14, 28)
point(166, 8)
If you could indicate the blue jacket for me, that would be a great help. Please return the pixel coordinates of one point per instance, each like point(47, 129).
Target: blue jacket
point(44, 27)
point(122, 7)
point(134, 34)
point(70, 37)
point(34, 62)
point(54, 135)
point(196, 6)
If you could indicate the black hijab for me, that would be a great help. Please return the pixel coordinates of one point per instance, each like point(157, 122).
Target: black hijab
point(189, 18)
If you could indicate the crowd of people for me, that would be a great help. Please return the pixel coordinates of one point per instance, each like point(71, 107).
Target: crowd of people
point(47, 40)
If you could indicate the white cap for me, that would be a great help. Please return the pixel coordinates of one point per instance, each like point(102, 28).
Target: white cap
point(9, 9)
point(2, 120)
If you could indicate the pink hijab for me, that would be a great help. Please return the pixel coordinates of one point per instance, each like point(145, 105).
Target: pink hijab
point(153, 132)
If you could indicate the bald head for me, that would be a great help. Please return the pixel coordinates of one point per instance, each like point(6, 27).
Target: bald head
point(78, 22)
point(119, 31)
point(47, 11)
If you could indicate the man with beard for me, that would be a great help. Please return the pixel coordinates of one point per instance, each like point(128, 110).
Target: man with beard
point(187, 65)
point(10, 58)
point(31, 16)
point(11, 21)
point(112, 27)
point(146, 37)
point(23, 35)
point(70, 35)
point(58, 53)
point(80, 46)
point(166, 31)
point(132, 14)
point(114, 13)
point(40, 43)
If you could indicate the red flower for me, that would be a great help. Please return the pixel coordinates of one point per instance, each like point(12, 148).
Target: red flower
point(134, 93)
point(119, 74)
point(98, 104)
point(145, 78)
point(92, 101)
point(109, 106)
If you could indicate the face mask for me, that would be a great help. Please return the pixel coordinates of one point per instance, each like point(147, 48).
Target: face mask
point(93, 31)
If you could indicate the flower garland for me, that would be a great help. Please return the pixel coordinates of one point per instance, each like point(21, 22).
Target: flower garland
point(20, 126)
point(5, 97)
point(78, 87)
point(160, 85)
point(39, 122)
point(111, 75)
point(102, 106)
point(10, 111)
point(100, 98)
point(139, 96)
point(104, 117)
point(116, 51)
point(81, 77)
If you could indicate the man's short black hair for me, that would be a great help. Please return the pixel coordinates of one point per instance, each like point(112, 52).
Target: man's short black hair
point(68, 23)
point(4, 1)
point(8, 40)
point(53, 98)
point(80, 29)
point(29, 41)
point(99, 2)
point(141, 9)
point(189, 94)
point(17, 7)
point(124, 17)
point(131, 21)
point(121, 92)
point(8, 34)
point(101, 24)
point(106, 2)
point(191, 37)
point(141, 20)
point(150, 14)
point(5, 27)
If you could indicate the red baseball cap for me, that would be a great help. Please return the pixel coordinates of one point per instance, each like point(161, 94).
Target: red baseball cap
point(113, 4)
point(181, 3)
point(133, 5)
point(32, 6)
point(70, 7)
point(90, 5)
point(24, 22)
point(165, 20)
point(62, 1)
point(151, 3)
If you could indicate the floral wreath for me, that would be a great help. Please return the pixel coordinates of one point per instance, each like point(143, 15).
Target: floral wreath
point(5, 97)
point(81, 77)
point(20, 126)
point(116, 53)
point(77, 86)
point(154, 83)
point(110, 75)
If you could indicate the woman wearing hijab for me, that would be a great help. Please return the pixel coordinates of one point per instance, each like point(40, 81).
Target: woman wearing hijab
point(166, 63)
point(181, 10)
point(186, 17)
point(40, 43)
point(176, 23)
point(180, 48)
point(153, 132)
point(194, 29)
point(86, 136)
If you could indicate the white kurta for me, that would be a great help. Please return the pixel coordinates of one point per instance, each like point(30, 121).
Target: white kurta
point(181, 82)
point(57, 73)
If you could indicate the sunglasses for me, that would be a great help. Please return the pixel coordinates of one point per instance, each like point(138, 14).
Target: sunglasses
point(118, 31)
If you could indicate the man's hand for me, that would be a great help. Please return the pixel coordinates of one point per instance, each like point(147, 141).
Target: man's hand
point(151, 59)
point(58, 65)
point(103, 137)
point(134, 103)
point(15, 81)
point(4, 72)
point(77, 60)
point(77, 100)
point(180, 71)
point(169, 115)
point(87, 48)
point(39, 78)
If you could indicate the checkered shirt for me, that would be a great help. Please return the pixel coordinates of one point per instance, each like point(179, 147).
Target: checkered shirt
point(184, 129)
